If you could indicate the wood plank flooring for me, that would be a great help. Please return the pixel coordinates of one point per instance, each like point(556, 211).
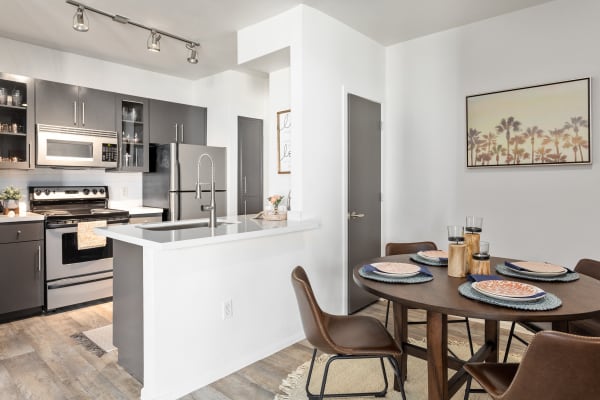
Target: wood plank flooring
point(40, 361)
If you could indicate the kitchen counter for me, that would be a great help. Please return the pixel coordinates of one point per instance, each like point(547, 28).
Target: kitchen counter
point(195, 304)
point(30, 217)
point(137, 211)
point(231, 229)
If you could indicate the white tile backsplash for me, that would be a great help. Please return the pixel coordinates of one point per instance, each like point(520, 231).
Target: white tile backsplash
point(124, 188)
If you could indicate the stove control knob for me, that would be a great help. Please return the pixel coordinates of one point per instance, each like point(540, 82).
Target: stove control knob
point(94, 191)
point(86, 191)
point(47, 192)
point(101, 190)
point(38, 192)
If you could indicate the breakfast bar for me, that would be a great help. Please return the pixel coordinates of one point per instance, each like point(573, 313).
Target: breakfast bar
point(193, 304)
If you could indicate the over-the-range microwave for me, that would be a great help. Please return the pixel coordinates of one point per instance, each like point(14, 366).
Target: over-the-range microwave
point(60, 146)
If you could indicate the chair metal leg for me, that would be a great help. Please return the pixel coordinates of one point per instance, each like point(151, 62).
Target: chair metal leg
point(469, 336)
point(322, 394)
point(398, 373)
point(387, 314)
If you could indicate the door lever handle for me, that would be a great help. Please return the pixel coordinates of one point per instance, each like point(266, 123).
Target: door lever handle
point(355, 215)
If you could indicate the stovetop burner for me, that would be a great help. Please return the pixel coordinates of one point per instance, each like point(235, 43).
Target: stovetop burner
point(69, 205)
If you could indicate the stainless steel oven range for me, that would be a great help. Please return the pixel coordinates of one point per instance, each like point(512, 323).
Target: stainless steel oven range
point(73, 274)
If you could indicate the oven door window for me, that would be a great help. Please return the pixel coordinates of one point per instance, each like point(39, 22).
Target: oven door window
point(71, 254)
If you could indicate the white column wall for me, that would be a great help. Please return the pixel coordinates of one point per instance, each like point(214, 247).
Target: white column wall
point(546, 213)
point(279, 100)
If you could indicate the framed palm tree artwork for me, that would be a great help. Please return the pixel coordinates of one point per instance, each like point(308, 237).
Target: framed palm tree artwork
point(536, 125)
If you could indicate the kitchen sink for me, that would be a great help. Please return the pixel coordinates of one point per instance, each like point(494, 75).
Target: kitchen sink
point(171, 226)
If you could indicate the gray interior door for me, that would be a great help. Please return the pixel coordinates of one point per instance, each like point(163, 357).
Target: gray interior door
point(250, 165)
point(364, 191)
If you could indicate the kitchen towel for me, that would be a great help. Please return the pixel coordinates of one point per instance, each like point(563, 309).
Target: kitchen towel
point(86, 238)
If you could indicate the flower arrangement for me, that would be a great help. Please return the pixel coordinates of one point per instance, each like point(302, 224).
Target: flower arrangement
point(275, 199)
point(10, 193)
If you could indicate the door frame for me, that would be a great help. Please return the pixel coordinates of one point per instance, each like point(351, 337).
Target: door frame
point(344, 182)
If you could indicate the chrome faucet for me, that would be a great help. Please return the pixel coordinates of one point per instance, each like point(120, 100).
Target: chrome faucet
point(212, 223)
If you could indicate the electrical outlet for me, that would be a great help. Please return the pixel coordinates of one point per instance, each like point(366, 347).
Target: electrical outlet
point(228, 309)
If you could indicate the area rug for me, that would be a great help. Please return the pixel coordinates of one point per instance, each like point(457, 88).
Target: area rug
point(364, 375)
point(98, 340)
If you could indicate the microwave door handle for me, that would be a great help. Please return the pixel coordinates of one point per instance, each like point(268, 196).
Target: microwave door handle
point(176, 126)
point(83, 113)
point(75, 113)
point(182, 133)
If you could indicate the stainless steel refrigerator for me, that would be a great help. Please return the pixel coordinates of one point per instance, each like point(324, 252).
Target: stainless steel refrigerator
point(171, 182)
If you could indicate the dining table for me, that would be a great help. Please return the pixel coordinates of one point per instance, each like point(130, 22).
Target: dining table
point(440, 297)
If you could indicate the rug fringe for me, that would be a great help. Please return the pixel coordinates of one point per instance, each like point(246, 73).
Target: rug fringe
point(291, 381)
point(88, 344)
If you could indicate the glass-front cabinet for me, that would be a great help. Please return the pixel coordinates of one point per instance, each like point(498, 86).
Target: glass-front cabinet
point(132, 130)
point(16, 121)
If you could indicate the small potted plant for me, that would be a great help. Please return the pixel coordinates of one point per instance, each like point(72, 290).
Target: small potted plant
point(274, 211)
point(10, 197)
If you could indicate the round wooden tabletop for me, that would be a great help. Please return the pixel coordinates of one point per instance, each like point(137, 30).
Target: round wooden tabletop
point(580, 298)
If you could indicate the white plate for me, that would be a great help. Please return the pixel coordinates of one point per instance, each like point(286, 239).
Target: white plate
point(434, 255)
point(540, 268)
point(508, 290)
point(542, 274)
point(395, 275)
point(396, 269)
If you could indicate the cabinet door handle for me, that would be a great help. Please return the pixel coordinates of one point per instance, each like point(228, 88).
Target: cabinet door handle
point(39, 258)
point(176, 126)
point(75, 113)
point(83, 113)
point(182, 140)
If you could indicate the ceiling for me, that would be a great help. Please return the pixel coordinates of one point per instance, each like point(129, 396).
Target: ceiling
point(213, 23)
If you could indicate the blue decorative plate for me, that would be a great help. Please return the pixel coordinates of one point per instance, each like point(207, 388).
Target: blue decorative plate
point(419, 278)
point(548, 302)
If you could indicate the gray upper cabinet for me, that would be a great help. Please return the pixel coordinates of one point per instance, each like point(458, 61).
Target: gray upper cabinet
point(68, 105)
point(17, 137)
point(177, 123)
point(132, 132)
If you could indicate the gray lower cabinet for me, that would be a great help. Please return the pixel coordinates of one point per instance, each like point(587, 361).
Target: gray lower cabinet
point(68, 105)
point(128, 307)
point(177, 123)
point(22, 266)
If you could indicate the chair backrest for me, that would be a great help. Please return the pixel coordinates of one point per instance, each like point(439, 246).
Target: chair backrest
point(314, 320)
point(558, 366)
point(588, 267)
point(408, 248)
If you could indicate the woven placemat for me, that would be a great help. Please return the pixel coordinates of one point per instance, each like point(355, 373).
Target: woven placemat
point(426, 261)
point(419, 278)
point(568, 277)
point(548, 302)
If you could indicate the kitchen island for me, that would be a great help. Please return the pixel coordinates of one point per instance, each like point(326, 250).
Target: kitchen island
point(193, 304)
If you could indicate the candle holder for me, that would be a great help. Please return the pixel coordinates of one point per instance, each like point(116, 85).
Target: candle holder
point(473, 228)
point(457, 251)
point(480, 263)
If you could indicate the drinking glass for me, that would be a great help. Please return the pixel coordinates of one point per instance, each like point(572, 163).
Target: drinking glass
point(456, 233)
point(484, 248)
point(474, 224)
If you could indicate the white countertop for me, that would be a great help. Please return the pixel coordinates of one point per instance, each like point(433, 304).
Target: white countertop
point(30, 217)
point(142, 210)
point(234, 228)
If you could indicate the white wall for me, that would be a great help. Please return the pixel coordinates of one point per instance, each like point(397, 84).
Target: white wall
point(545, 213)
point(279, 100)
point(226, 95)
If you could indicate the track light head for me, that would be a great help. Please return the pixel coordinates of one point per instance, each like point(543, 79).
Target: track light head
point(154, 41)
point(193, 57)
point(79, 23)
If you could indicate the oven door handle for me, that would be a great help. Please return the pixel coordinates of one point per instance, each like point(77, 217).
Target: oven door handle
point(51, 225)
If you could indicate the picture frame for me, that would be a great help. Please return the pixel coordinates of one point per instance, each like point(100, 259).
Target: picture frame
point(284, 142)
point(545, 124)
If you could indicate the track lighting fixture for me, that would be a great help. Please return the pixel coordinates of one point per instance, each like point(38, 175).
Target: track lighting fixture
point(81, 24)
point(153, 42)
point(193, 57)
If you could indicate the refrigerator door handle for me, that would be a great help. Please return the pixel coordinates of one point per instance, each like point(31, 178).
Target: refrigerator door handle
point(176, 126)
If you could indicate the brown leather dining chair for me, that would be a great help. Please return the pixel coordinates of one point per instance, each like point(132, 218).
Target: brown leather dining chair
point(343, 336)
point(586, 327)
point(556, 366)
point(411, 248)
